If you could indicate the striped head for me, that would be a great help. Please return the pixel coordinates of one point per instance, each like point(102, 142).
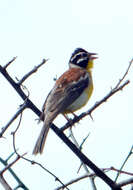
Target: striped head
point(82, 58)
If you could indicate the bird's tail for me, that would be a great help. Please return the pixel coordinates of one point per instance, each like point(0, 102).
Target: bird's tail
point(39, 146)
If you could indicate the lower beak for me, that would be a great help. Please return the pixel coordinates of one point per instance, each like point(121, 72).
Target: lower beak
point(93, 56)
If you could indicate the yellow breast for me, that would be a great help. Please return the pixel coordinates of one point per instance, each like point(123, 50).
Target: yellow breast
point(81, 100)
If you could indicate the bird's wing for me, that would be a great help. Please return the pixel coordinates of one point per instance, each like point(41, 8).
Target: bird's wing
point(65, 92)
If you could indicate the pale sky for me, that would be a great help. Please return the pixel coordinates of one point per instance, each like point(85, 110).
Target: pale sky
point(37, 29)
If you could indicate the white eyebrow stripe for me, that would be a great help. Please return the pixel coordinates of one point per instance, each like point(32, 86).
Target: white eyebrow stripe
point(81, 59)
point(74, 56)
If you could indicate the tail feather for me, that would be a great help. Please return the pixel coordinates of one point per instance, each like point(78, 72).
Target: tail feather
point(39, 146)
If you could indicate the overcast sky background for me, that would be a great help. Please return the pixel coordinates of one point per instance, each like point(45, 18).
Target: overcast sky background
point(37, 29)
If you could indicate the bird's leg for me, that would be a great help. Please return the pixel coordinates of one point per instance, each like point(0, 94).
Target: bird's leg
point(68, 119)
point(73, 114)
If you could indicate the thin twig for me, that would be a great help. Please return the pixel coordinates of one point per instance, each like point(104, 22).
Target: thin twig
point(93, 175)
point(21, 109)
point(90, 175)
point(73, 181)
point(125, 182)
point(80, 147)
point(97, 104)
point(29, 103)
point(129, 154)
point(2, 180)
point(84, 140)
point(5, 184)
point(31, 161)
point(121, 171)
point(125, 74)
point(21, 184)
point(11, 164)
point(32, 71)
point(12, 60)
point(8, 158)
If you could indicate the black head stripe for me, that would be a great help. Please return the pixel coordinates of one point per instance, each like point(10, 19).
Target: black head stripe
point(79, 50)
point(83, 62)
point(79, 58)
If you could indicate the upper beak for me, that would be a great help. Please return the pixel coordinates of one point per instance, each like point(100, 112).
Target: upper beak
point(93, 56)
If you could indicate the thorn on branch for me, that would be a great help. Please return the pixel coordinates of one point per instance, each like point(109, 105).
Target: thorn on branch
point(91, 117)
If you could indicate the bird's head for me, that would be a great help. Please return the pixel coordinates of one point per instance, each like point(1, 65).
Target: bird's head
point(83, 59)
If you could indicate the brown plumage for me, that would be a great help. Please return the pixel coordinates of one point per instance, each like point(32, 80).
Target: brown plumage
point(61, 96)
point(70, 92)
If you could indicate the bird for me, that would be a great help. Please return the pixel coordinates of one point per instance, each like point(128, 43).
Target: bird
point(71, 92)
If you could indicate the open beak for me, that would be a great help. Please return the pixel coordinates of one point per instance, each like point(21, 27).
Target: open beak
point(93, 56)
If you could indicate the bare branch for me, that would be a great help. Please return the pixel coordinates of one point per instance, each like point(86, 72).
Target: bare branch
point(84, 159)
point(4, 183)
point(32, 71)
point(93, 175)
point(73, 181)
point(13, 133)
point(90, 175)
point(121, 171)
point(80, 147)
point(97, 104)
point(12, 60)
point(5, 163)
point(20, 91)
point(11, 164)
point(31, 161)
point(2, 180)
point(125, 74)
point(21, 109)
point(129, 154)
point(125, 182)
point(56, 178)
point(80, 155)
point(84, 140)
